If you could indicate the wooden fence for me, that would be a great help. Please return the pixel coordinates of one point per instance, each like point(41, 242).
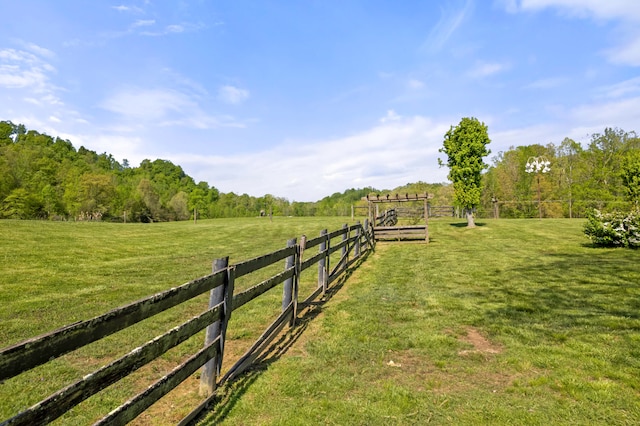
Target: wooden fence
point(442, 211)
point(386, 225)
point(352, 241)
point(387, 218)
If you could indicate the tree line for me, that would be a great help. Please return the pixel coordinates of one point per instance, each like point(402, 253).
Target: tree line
point(605, 175)
point(42, 177)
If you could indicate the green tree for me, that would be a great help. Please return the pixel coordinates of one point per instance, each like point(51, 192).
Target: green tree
point(465, 145)
point(179, 205)
point(567, 163)
point(631, 176)
point(19, 204)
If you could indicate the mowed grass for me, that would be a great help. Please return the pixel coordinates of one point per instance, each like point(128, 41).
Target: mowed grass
point(54, 274)
point(513, 322)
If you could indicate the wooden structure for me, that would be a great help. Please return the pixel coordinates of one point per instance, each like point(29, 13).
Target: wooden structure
point(385, 225)
point(337, 252)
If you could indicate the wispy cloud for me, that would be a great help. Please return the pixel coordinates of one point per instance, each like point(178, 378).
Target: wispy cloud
point(618, 90)
point(148, 28)
point(628, 52)
point(415, 84)
point(625, 13)
point(164, 107)
point(125, 8)
point(233, 95)
point(486, 69)
point(450, 20)
point(598, 9)
point(142, 23)
point(36, 49)
point(175, 29)
point(546, 83)
point(393, 152)
point(20, 69)
point(147, 105)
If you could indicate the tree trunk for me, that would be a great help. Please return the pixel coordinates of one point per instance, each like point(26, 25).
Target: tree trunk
point(470, 221)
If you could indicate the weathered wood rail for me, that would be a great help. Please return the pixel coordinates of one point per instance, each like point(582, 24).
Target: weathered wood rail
point(352, 242)
point(386, 224)
point(387, 218)
point(442, 211)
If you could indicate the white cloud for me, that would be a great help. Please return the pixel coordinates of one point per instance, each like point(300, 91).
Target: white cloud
point(623, 113)
point(164, 107)
point(626, 13)
point(486, 69)
point(175, 29)
point(143, 23)
point(233, 95)
point(124, 8)
point(415, 84)
point(449, 22)
point(627, 53)
point(547, 83)
point(24, 70)
point(130, 147)
point(623, 88)
point(390, 154)
point(147, 105)
point(391, 116)
point(598, 9)
point(577, 123)
point(38, 50)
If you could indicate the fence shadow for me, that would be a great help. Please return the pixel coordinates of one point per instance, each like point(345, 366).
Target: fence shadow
point(228, 395)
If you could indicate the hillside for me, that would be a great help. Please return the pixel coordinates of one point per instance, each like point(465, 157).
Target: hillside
point(42, 177)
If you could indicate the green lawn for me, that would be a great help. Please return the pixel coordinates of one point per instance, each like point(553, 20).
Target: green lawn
point(56, 273)
point(513, 322)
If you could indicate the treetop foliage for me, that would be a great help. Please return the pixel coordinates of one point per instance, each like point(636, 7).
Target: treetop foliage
point(465, 146)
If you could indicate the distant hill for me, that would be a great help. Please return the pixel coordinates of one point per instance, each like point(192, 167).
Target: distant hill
point(42, 177)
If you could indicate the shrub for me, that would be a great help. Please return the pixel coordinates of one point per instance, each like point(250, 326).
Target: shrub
point(615, 229)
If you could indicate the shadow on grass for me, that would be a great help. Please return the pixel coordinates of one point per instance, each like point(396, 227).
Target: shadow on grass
point(228, 395)
point(595, 292)
point(464, 224)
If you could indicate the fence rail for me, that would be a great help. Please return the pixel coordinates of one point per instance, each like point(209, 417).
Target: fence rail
point(353, 242)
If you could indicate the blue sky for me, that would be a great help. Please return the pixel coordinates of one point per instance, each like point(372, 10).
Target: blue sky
point(301, 99)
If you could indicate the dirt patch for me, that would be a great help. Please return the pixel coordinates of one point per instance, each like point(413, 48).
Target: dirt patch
point(418, 371)
point(481, 345)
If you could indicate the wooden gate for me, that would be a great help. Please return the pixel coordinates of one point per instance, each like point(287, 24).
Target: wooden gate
point(385, 224)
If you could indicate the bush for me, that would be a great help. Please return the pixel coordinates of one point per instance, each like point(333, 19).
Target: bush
point(615, 229)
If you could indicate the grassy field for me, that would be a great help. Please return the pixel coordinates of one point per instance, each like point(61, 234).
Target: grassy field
point(56, 273)
point(513, 322)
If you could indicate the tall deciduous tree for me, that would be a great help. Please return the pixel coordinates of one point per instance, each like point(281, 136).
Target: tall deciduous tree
point(631, 176)
point(465, 145)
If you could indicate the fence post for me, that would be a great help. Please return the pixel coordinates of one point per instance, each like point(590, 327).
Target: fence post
point(216, 296)
point(345, 248)
point(287, 291)
point(356, 250)
point(322, 263)
point(426, 220)
point(365, 230)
